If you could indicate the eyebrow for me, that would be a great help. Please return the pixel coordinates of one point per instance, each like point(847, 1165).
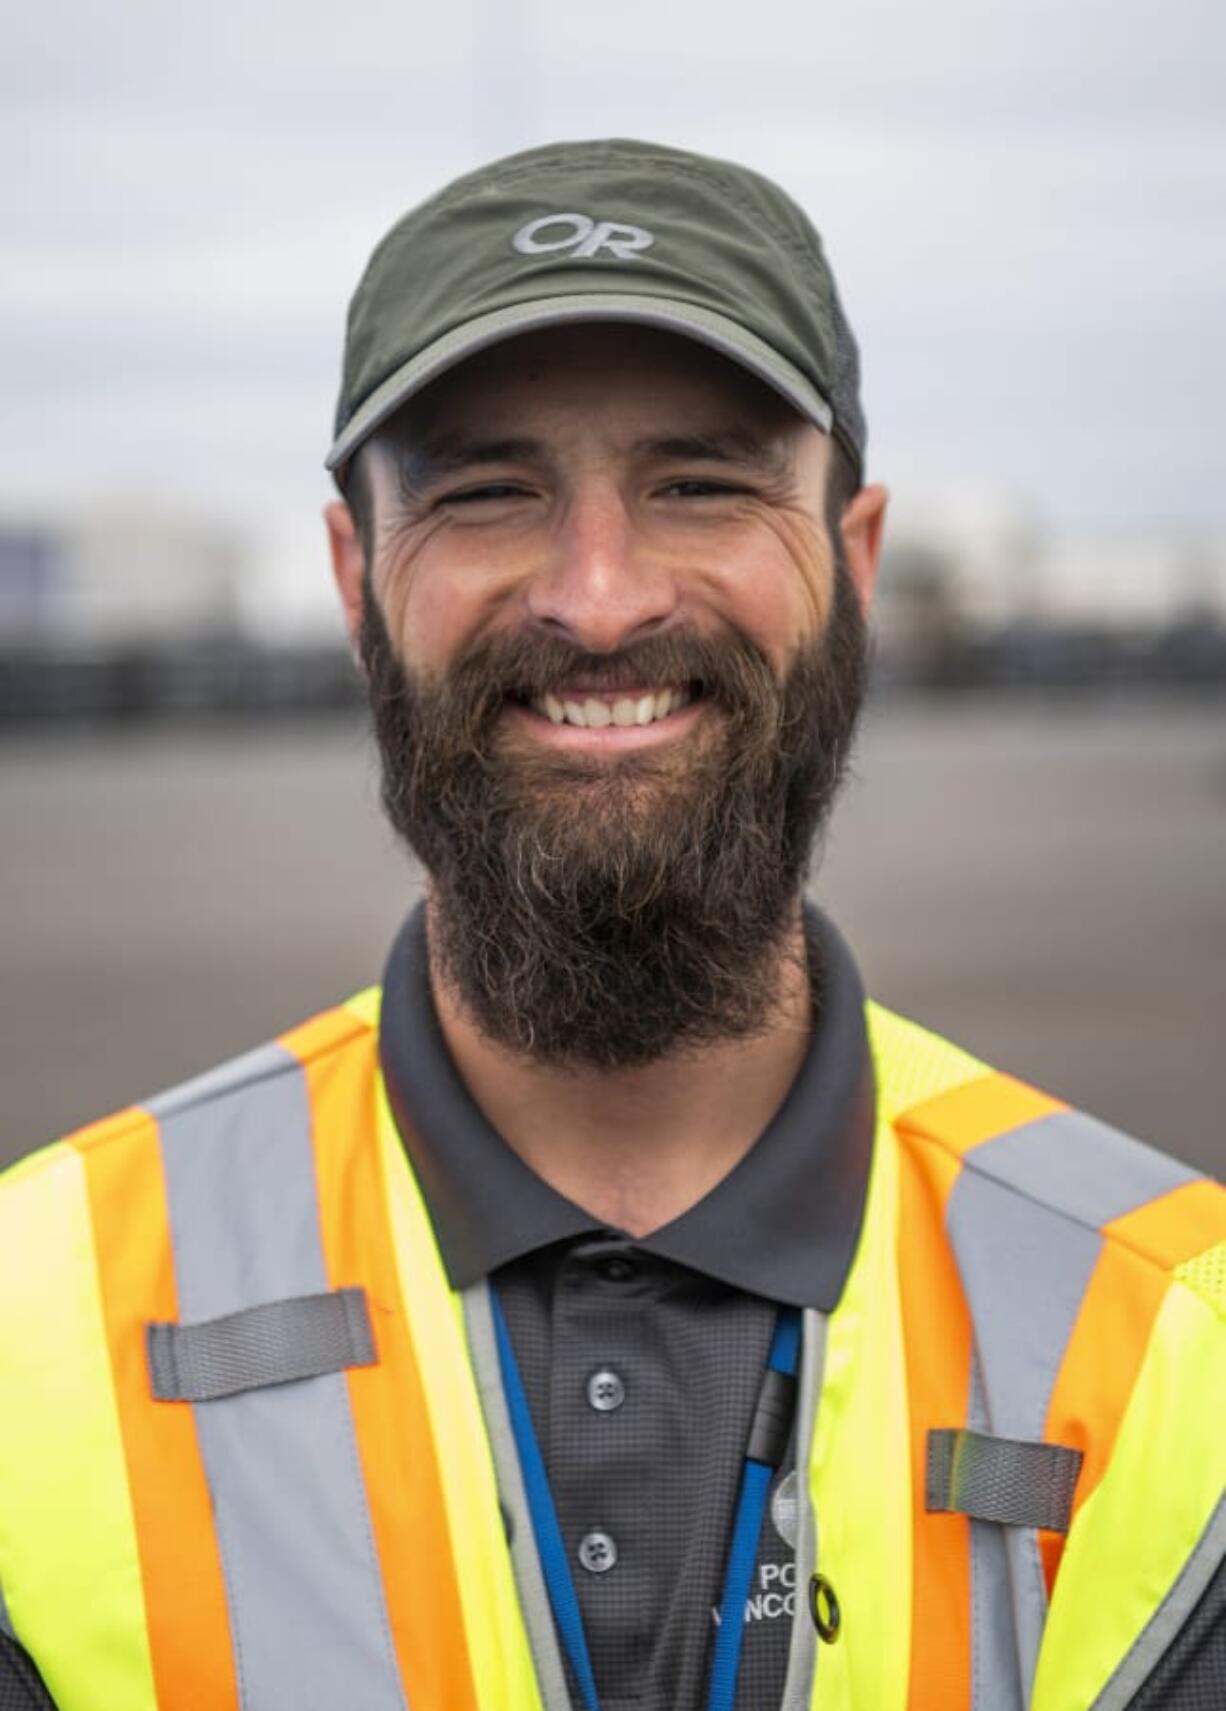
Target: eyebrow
point(422, 462)
point(730, 445)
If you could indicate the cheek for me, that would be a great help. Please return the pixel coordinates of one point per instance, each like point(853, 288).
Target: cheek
point(781, 594)
point(434, 603)
point(427, 622)
point(810, 578)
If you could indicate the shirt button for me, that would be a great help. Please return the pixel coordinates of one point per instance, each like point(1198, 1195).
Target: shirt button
point(617, 1268)
point(597, 1553)
point(605, 1391)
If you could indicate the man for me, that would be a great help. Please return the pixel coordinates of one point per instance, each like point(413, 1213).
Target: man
point(614, 1311)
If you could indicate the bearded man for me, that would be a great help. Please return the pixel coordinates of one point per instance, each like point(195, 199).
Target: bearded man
point(614, 1310)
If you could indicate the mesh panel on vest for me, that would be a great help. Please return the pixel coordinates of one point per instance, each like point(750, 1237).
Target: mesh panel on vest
point(1192, 1675)
point(912, 1064)
point(21, 1687)
point(1206, 1274)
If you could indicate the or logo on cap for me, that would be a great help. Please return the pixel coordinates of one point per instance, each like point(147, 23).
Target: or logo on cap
point(582, 236)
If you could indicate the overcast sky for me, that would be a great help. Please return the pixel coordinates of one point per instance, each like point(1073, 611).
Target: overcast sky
point(1025, 203)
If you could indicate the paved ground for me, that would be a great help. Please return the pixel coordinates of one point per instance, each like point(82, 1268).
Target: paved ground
point(1048, 886)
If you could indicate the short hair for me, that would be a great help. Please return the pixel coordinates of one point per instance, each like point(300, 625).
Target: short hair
point(353, 479)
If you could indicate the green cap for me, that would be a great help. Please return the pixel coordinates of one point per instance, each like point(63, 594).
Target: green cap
point(601, 231)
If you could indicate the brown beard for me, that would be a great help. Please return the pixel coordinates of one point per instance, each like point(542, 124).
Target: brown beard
point(607, 913)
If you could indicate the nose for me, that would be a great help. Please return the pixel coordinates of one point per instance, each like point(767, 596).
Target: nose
point(600, 583)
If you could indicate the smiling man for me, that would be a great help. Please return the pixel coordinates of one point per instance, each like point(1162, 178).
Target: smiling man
point(616, 656)
point(613, 1310)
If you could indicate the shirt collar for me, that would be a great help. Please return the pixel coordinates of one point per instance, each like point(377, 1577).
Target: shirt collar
point(783, 1224)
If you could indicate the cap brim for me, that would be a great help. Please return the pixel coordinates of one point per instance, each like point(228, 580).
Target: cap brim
point(716, 331)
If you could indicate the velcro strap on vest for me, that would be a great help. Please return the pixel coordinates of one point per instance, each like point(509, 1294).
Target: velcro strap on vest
point(275, 1343)
point(1015, 1481)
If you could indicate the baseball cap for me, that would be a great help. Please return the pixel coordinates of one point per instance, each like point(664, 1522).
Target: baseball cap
point(614, 230)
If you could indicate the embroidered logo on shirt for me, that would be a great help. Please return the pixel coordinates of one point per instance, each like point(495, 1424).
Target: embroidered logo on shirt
point(775, 1595)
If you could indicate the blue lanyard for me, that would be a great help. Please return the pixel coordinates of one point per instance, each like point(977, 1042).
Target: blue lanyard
point(767, 1442)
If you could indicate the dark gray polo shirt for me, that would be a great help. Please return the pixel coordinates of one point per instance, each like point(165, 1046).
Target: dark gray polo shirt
point(642, 1359)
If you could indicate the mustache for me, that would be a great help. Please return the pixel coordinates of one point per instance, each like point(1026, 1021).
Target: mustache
point(727, 668)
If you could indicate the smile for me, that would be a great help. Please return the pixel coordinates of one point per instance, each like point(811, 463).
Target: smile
point(595, 711)
point(584, 718)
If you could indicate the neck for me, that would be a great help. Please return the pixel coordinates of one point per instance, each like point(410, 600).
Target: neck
point(635, 1148)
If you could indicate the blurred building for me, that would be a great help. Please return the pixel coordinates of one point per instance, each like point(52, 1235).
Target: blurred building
point(976, 548)
point(141, 612)
point(1136, 581)
point(118, 575)
point(979, 561)
point(958, 565)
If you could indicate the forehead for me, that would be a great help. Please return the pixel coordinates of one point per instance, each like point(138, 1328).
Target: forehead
point(613, 368)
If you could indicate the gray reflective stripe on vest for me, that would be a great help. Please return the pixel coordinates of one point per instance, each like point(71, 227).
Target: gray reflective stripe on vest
point(1024, 1218)
point(1091, 1172)
point(517, 1516)
point(275, 1343)
point(803, 1663)
point(6, 1626)
point(1025, 1272)
point(303, 1585)
point(996, 1665)
point(1015, 1483)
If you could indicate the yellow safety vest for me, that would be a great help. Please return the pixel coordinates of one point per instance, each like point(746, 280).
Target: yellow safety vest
point(254, 1451)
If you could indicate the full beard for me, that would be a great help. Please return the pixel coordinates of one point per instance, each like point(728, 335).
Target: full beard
point(607, 913)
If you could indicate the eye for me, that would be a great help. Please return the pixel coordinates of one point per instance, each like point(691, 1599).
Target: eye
point(700, 487)
point(489, 491)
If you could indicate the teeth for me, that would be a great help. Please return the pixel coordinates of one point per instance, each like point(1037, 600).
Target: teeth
point(592, 714)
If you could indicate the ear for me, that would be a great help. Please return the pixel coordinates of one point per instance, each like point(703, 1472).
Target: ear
point(862, 527)
point(348, 565)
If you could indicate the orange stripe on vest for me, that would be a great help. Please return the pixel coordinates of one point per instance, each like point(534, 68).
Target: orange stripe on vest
point(185, 1600)
point(938, 1384)
point(395, 1444)
point(977, 1111)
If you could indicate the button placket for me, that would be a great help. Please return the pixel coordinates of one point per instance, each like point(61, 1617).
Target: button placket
point(597, 1396)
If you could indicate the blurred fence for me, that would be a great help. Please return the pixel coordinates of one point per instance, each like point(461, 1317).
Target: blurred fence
point(231, 676)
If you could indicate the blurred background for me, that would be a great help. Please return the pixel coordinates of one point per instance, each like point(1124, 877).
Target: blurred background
point(1024, 206)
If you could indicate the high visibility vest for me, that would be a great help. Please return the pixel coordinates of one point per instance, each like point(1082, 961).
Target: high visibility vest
point(254, 1451)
